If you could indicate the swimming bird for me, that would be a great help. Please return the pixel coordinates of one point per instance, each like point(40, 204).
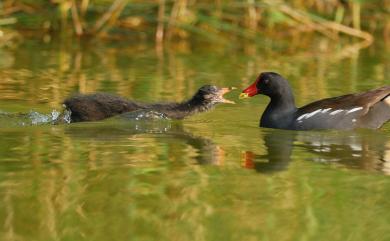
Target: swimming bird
point(370, 109)
point(98, 106)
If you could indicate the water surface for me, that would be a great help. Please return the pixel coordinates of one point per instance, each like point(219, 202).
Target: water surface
point(214, 176)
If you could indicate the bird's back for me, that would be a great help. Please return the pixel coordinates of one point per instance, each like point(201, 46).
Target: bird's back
point(98, 106)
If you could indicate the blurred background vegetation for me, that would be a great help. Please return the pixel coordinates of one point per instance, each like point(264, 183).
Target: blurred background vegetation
point(82, 178)
point(294, 35)
point(312, 31)
point(209, 20)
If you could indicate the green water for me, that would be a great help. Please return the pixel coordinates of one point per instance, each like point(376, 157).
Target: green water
point(214, 176)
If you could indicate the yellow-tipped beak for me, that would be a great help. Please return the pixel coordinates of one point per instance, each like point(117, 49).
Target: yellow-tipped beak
point(243, 96)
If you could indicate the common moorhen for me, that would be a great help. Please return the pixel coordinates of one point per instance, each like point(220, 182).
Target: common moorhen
point(98, 106)
point(370, 109)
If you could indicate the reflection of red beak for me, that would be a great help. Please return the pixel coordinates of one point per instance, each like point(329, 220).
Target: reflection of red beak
point(250, 91)
point(248, 160)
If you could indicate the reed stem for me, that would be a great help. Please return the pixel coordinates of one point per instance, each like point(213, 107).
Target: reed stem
point(160, 22)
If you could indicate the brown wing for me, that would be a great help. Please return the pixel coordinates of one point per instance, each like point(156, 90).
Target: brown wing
point(346, 112)
point(365, 100)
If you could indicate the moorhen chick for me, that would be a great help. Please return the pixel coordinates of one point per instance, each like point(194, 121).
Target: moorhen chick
point(98, 106)
point(370, 109)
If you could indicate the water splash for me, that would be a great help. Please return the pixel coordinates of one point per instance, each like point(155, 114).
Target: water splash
point(143, 115)
point(144, 118)
point(145, 121)
point(33, 118)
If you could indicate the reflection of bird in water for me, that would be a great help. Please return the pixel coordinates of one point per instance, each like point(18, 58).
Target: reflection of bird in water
point(279, 146)
point(206, 151)
point(362, 150)
point(100, 106)
point(366, 150)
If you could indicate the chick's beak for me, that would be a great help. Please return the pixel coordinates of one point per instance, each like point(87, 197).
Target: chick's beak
point(224, 91)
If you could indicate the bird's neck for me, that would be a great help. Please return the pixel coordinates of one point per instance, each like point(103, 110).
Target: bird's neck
point(285, 102)
point(279, 112)
point(185, 108)
point(194, 105)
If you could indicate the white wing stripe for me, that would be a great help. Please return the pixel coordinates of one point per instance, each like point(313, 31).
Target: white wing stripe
point(312, 113)
point(323, 111)
point(354, 109)
point(336, 112)
point(301, 117)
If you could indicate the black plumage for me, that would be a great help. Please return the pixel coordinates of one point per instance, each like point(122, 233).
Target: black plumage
point(98, 106)
point(370, 109)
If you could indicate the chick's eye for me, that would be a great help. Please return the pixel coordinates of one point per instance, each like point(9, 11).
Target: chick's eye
point(265, 81)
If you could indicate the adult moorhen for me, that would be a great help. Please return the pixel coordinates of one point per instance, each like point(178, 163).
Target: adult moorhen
point(98, 106)
point(370, 109)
